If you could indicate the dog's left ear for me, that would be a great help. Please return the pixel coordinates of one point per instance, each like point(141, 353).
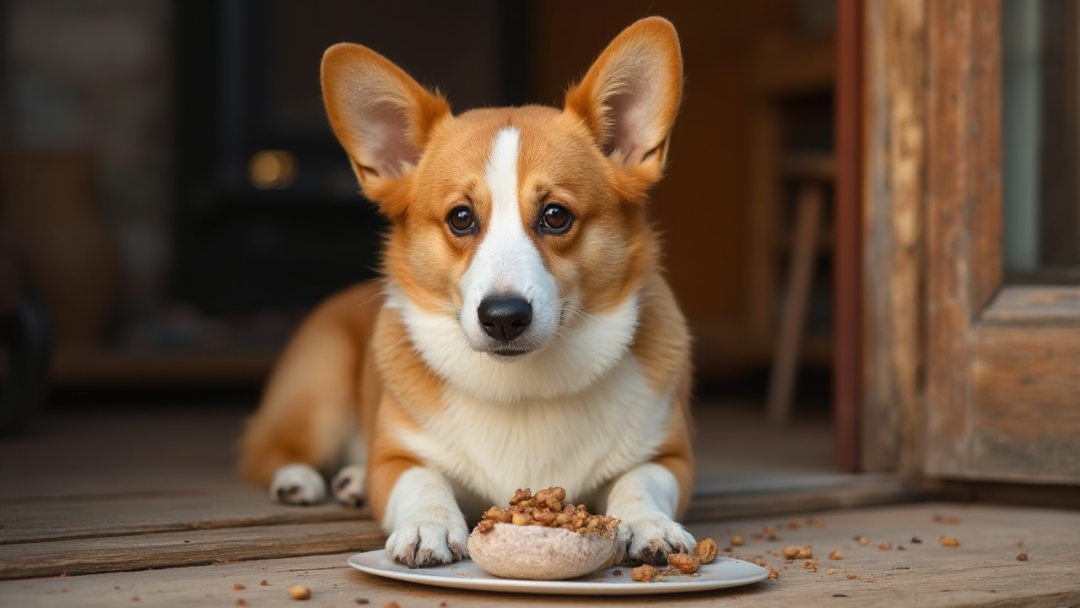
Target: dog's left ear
point(631, 94)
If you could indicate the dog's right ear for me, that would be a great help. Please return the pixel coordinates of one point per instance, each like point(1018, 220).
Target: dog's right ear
point(381, 116)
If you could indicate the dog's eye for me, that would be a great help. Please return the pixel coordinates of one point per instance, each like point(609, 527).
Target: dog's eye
point(461, 221)
point(555, 219)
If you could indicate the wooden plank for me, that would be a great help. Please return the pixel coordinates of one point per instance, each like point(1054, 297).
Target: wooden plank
point(982, 140)
point(189, 548)
point(894, 238)
point(1027, 395)
point(848, 267)
point(948, 235)
point(858, 491)
point(982, 571)
point(94, 516)
point(1027, 305)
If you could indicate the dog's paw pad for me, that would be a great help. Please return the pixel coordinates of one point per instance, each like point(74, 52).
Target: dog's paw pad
point(651, 540)
point(350, 485)
point(298, 484)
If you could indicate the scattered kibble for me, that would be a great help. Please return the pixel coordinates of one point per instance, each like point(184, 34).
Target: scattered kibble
point(242, 602)
point(391, 605)
point(949, 541)
point(852, 577)
point(773, 574)
point(706, 550)
point(264, 583)
point(1022, 557)
point(915, 540)
point(830, 571)
point(806, 552)
point(862, 540)
point(362, 600)
point(299, 592)
point(790, 551)
point(683, 562)
point(643, 573)
point(736, 541)
point(836, 555)
point(238, 587)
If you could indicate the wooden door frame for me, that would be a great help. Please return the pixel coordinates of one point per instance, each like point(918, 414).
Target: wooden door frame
point(963, 376)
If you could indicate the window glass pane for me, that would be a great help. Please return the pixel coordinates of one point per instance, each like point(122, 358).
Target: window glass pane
point(1041, 138)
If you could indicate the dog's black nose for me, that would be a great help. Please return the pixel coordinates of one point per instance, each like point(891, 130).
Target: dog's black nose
point(504, 318)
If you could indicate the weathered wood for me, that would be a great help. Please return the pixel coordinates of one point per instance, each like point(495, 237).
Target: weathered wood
point(1027, 395)
point(859, 491)
point(172, 549)
point(895, 168)
point(948, 233)
point(1027, 305)
point(982, 135)
point(75, 517)
point(982, 571)
point(1003, 389)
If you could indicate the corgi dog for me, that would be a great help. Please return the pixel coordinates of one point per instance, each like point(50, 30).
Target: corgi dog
point(522, 335)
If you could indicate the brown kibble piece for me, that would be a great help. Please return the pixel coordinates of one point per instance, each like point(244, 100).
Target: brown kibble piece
point(706, 550)
point(299, 592)
point(238, 586)
point(790, 551)
point(1022, 557)
point(242, 602)
point(862, 540)
point(852, 577)
point(643, 573)
point(836, 555)
point(736, 541)
point(773, 574)
point(684, 562)
point(806, 552)
point(949, 541)
point(391, 605)
point(264, 583)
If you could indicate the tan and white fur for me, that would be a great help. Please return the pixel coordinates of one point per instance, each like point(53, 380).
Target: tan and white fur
point(522, 335)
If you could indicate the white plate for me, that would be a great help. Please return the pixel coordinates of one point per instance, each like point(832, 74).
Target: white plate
point(724, 572)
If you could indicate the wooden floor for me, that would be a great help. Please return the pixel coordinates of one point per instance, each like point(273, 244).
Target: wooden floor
point(140, 507)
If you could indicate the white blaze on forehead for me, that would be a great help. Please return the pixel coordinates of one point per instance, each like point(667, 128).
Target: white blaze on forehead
point(507, 261)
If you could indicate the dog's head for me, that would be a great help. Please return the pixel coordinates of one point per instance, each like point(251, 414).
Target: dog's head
point(521, 224)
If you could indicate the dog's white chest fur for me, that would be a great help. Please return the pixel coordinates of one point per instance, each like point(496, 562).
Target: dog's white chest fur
point(579, 442)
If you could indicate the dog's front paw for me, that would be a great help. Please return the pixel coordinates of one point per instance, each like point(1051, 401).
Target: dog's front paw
point(350, 485)
point(428, 543)
point(651, 540)
point(298, 484)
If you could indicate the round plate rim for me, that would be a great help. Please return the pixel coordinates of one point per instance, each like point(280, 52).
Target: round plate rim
point(571, 587)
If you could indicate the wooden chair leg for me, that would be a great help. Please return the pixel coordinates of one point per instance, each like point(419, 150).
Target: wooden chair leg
point(811, 200)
